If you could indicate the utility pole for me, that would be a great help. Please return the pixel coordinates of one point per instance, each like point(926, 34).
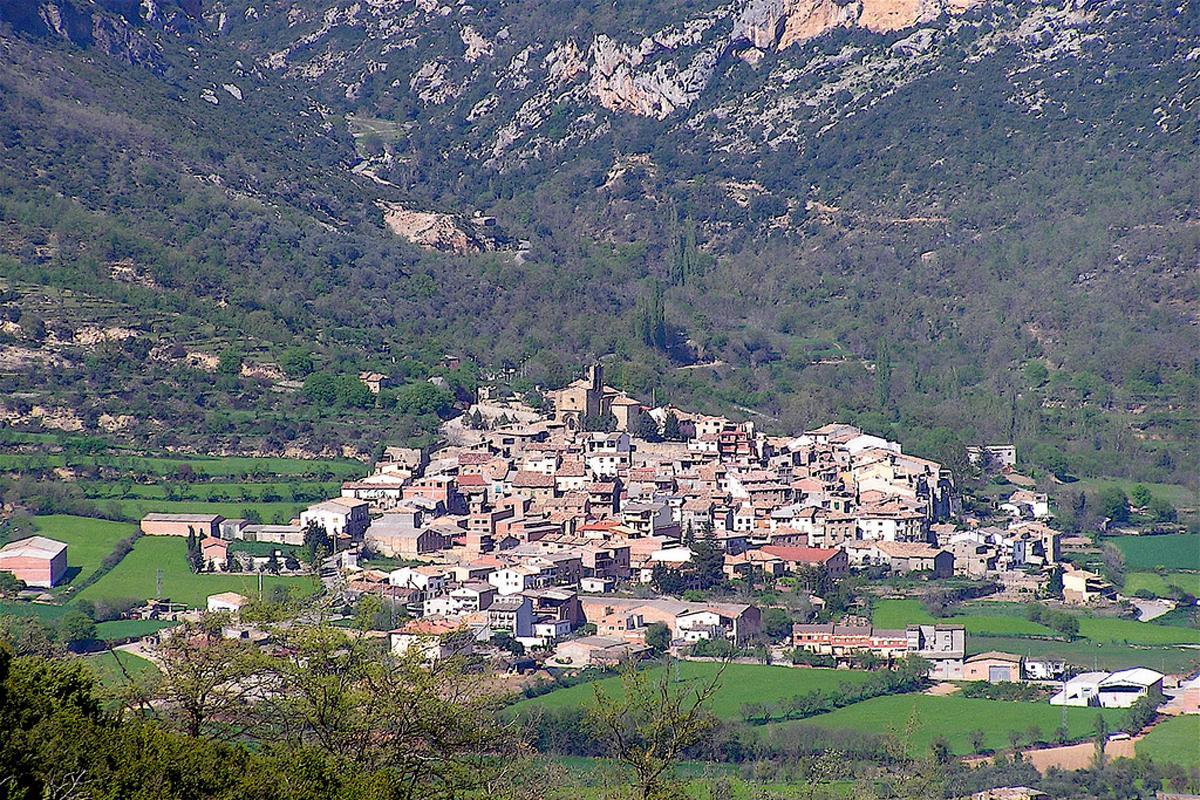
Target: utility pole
point(158, 582)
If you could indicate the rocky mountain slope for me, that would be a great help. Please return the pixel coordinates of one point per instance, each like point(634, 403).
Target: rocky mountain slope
point(907, 210)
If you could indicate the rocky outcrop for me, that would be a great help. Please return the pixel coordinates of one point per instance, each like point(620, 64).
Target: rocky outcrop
point(619, 81)
point(778, 24)
point(119, 28)
point(429, 229)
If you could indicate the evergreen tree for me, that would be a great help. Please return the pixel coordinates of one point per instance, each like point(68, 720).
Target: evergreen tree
point(708, 561)
point(194, 556)
point(671, 431)
point(646, 428)
point(317, 544)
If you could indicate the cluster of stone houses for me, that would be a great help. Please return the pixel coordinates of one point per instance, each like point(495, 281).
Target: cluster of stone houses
point(529, 528)
point(548, 507)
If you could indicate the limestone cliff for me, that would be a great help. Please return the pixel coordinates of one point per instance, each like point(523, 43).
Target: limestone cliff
point(778, 24)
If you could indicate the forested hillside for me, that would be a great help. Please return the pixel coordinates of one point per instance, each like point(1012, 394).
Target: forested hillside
point(975, 224)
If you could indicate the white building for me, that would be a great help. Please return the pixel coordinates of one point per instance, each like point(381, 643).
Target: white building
point(341, 515)
point(1108, 690)
point(226, 602)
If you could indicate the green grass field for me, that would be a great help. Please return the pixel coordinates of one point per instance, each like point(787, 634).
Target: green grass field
point(213, 467)
point(1160, 585)
point(48, 614)
point(108, 666)
point(204, 492)
point(1009, 621)
point(740, 684)
point(88, 540)
point(918, 719)
point(1175, 740)
point(1124, 630)
point(1175, 494)
point(998, 622)
point(135, 576)
point(1176, 551)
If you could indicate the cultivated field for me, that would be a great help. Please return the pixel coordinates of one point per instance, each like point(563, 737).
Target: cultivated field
point(1093, 655)
point(135, 576)
point(918, 719)
point(986, 622)
point(1176, 551)
point(200, 466)
point(1160, 585)
point(135, 508)
point(116, 629)
point(1175, 740)
point(1100, 629)
point(1009, 621)
point(740, 684)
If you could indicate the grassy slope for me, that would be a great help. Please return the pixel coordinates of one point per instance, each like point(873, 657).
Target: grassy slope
point(106, 667)
point(1176, 740)
point(1177, 551)
point(1003, 622)
point(1160, 585)
point(898, 613)
point(741, 684)
point(135, 576)
point(88, 540)
point(955, 718)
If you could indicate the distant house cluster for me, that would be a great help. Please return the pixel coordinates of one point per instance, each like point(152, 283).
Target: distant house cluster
point(529, 528)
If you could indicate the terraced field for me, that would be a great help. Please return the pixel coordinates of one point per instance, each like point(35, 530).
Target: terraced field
point(1161, 585)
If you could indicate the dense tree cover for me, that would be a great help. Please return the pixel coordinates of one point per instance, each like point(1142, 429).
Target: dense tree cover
point(349, 723)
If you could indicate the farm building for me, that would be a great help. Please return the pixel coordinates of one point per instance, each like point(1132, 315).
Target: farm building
point(229, 602)
point(598, 651)
point(1188, 699)
point(395, 536)
point(201, 525)
point(993, 667)
point(1109, 690)
point(37, 561)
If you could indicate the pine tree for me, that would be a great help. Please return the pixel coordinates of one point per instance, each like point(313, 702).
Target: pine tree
point(194, 557)
point(671, 431)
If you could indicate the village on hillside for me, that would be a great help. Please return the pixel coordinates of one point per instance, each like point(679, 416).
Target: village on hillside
point(605, 531)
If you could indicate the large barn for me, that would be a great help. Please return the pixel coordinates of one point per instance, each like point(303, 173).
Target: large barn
point(37, 561)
